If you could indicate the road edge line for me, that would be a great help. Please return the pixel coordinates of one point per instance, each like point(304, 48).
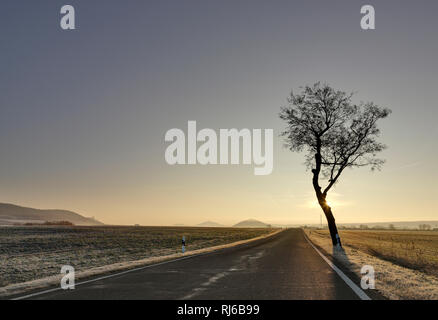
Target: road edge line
point(358, 291)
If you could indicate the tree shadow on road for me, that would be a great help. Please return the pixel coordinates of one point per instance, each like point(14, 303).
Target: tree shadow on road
point(341, 260)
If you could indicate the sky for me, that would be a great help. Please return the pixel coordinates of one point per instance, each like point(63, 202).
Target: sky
point(84, 112)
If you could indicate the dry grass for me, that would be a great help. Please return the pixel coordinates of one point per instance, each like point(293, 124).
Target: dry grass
point(404, 261)
point(28, 253)
point(416, 250)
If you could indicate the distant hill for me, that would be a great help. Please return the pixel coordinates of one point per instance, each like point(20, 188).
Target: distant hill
point(12, 214)
point(210, 224)
point(251, 223)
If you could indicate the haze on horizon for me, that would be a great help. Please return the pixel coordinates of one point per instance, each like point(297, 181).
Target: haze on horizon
point(84, 112)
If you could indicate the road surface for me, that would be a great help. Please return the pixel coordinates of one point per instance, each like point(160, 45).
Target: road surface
point(284, 266)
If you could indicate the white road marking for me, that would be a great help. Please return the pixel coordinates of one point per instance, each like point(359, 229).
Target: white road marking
point(360, 293)
point(204, 286)
point(242, 260)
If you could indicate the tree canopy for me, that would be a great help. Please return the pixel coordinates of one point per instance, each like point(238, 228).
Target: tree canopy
point(334, 132)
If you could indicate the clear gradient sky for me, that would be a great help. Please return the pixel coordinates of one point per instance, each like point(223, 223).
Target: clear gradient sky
point(84, 112)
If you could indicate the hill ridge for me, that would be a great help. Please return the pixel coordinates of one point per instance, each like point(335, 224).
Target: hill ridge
point(12, 214)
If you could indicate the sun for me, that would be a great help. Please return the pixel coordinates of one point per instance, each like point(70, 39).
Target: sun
point(313, 204)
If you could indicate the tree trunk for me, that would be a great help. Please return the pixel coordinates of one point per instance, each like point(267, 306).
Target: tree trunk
point(336, 240)
point(321, 196)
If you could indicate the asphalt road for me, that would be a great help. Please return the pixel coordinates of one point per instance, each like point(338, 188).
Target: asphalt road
point(284, 266)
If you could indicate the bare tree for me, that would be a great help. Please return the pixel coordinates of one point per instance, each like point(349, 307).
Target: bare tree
point(424, 227)
point(335, 134)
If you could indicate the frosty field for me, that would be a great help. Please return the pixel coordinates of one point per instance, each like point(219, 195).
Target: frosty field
point(405, 262)
point(412, 249)
point(28, 253)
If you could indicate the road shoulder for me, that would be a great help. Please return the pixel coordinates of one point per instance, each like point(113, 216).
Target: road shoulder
point(342, 261)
